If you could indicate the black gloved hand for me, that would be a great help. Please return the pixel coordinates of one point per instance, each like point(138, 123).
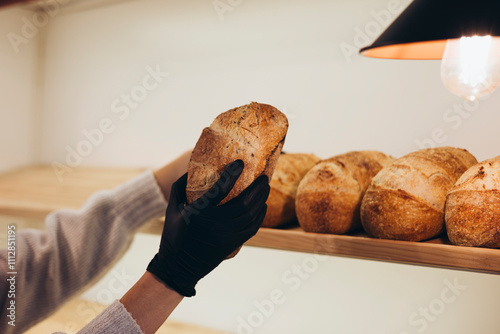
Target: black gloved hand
point(197, 237)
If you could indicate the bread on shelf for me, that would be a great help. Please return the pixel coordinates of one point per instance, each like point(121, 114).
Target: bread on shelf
point(329, 196)
point(406, 199)
point(472, 213)
point(290, 170)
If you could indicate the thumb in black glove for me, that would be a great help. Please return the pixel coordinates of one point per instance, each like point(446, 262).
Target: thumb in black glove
point(197, 237)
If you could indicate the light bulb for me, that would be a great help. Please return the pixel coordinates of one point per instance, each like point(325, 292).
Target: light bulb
point(471, 66)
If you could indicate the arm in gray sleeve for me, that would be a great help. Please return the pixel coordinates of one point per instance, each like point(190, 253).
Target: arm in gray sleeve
point(76, 246)
point(113, 320)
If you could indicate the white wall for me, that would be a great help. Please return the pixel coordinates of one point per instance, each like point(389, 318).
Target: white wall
point(18, 72)
point(288, 54)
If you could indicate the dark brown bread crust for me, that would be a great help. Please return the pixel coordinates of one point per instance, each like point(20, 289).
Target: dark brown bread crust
point(382, 209)
point(329, 196)
point(473, 218)
point(280, 209)
point(472, 212)
point(254, 133)
point(290, 170)
point(405, 201)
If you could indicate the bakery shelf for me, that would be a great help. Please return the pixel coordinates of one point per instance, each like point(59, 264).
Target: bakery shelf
point(436, 252)
point(33, 192)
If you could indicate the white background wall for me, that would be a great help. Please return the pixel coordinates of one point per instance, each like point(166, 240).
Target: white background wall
point(17, 93)
point(288, 54)
point(285, 53)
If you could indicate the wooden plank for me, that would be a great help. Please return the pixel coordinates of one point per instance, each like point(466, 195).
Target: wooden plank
point(35, 191)
point(437, 252)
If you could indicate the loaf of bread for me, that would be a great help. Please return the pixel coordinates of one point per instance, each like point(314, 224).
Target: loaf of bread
point(254, 133)
point(329, 195)
point(406, 199)
point(290, 169)
point(472, 211)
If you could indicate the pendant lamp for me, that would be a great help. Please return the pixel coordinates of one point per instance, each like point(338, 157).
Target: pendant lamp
point(464, 34)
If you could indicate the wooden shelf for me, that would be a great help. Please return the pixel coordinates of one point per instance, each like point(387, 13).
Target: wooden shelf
point(437, 252)
point(33, 192)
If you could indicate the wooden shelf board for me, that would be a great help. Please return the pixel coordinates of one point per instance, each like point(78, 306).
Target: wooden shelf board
point(33, 192)
point(437, 252)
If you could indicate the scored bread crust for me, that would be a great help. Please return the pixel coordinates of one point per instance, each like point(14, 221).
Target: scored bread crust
point(472, 213)
point(381, 215)
point(254, 133)
point(290, 170)
point(405, 201)
point(329, 196)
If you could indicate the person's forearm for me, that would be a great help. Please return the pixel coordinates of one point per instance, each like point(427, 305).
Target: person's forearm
point(168, 174)
point(75, 247)
point(150, 302)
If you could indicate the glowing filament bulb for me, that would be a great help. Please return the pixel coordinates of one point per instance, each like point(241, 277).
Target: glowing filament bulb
point(471, 66)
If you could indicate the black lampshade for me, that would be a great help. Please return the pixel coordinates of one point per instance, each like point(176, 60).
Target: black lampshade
point(421, 31)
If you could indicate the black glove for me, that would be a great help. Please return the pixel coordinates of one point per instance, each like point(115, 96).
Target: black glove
point(197, 237)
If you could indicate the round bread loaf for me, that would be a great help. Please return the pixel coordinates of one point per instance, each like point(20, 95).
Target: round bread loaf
point(329, 195)
point(405, 201)
point(254, 133)
point(290, 169)
point(472, 211)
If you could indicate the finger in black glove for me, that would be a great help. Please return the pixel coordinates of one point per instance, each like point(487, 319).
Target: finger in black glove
point(197, 237)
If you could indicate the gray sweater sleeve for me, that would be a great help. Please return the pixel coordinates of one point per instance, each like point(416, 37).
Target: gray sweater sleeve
point(113, 320)
point(76, 246)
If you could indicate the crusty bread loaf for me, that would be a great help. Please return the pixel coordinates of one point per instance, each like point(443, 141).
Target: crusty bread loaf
point(405, 200)
point(290, 169)
point(329, 195)
point(254, 133)
point(472, 211)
